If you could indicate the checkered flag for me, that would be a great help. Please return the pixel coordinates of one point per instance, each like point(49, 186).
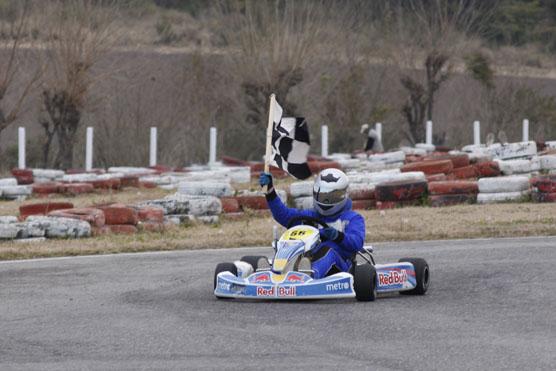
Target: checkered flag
point(290, 144)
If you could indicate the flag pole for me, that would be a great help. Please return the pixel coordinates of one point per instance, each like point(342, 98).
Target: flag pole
point(269, 128)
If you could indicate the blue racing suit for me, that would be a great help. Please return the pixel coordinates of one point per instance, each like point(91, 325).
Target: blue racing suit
point(331, 256)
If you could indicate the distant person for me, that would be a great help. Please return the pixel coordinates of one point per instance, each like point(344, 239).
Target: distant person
point(374, 143)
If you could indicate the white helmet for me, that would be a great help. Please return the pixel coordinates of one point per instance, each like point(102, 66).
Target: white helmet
point(330, 192)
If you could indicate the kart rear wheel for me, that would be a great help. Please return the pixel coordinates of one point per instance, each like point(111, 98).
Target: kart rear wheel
point(364, 282)
point(422, 276)
point(253, 260)
point(224, 267)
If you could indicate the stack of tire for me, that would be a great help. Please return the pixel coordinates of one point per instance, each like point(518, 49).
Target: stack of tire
point(182, 208)
point(503, 189)
point(548, 164)
point(452, 192)
point(362, 196)
point(399, 193)
point(544, 188)
point(302, 194)
point(11, 190)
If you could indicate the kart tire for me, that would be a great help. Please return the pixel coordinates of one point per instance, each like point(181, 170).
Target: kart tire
point(224, 267)
point(253, 260)
point(364, 282)
point(422, 276)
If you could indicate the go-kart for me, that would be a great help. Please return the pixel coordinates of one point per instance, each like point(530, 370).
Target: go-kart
point(283, 277)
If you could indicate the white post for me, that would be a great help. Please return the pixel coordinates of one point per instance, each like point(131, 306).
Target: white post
point(324, 141)
point(153, 149)
point(429, 132)
point(21, 148)
point(89, 150)
point(212, 153)
point(378, 129)
point(477, 133)
point(525, 130)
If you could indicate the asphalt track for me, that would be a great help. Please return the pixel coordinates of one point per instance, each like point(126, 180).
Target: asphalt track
point(491, 305)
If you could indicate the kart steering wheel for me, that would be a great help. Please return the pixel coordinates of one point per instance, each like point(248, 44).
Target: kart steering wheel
point(306, 220)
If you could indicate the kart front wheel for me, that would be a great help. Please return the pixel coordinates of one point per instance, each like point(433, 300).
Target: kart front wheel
point(364, 282)
point(224, 267)
point(422, 276)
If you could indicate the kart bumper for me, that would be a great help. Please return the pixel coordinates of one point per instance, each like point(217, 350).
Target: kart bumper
point(274, 287)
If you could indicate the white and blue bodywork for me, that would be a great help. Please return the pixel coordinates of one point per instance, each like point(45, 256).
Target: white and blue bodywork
point(283, 281)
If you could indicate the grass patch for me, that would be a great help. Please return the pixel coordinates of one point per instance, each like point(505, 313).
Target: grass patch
point(404, 224)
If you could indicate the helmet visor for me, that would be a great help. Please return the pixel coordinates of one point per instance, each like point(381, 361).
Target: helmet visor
point(330, 198)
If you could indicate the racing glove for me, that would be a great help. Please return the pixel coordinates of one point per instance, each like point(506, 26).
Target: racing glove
point(329, 234)
point(265, 179)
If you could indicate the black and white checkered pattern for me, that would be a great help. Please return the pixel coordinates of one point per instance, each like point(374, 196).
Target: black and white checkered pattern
point(290, 144)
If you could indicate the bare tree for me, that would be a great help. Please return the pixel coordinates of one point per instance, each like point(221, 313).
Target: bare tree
point(11, 47)
point(80, 35)
point(429, 36)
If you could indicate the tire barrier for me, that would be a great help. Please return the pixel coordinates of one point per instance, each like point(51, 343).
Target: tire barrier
point(401, 190)
point(8, 182)
point(436, 178)
point(385, 205)
point(388, 158)
point(42, 208)
point(301, 189)
point(130, 181)
point(229, 205)
point(363, 204)
point(514, 166)
point(458, 161)
point(544, 188)
point(548, 162)
point(119, 214)
point(47, 175)
point(303, 203)
point(504, 184)
point(75, 189)
point(16, 192)
point(216, 189)
point(23, 176)
point(46, 188)
point(151, 214)
point(453, 187)
point(387, 176)
point(544, 184)
point(543, 197)
point(466, 172)
point(430, 167)
point(488, 198)
point(488, 169)
point(180, 204)
point(252, 202)
point(318, 166)
point(360, 191)
point(60, 227)
point(452, 199)
point(94, 217)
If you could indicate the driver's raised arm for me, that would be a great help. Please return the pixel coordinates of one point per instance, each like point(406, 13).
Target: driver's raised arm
point(280, 212)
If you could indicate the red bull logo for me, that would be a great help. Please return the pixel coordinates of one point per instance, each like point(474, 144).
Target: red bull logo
point(294, 277)
point(392, 278)
point(286, 291)
point(261, 278)
point(261, 291)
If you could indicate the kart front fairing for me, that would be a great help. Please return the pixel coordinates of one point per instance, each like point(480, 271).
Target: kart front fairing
point(291, 285)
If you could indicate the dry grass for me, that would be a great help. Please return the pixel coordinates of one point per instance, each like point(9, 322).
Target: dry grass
point(415, 223)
